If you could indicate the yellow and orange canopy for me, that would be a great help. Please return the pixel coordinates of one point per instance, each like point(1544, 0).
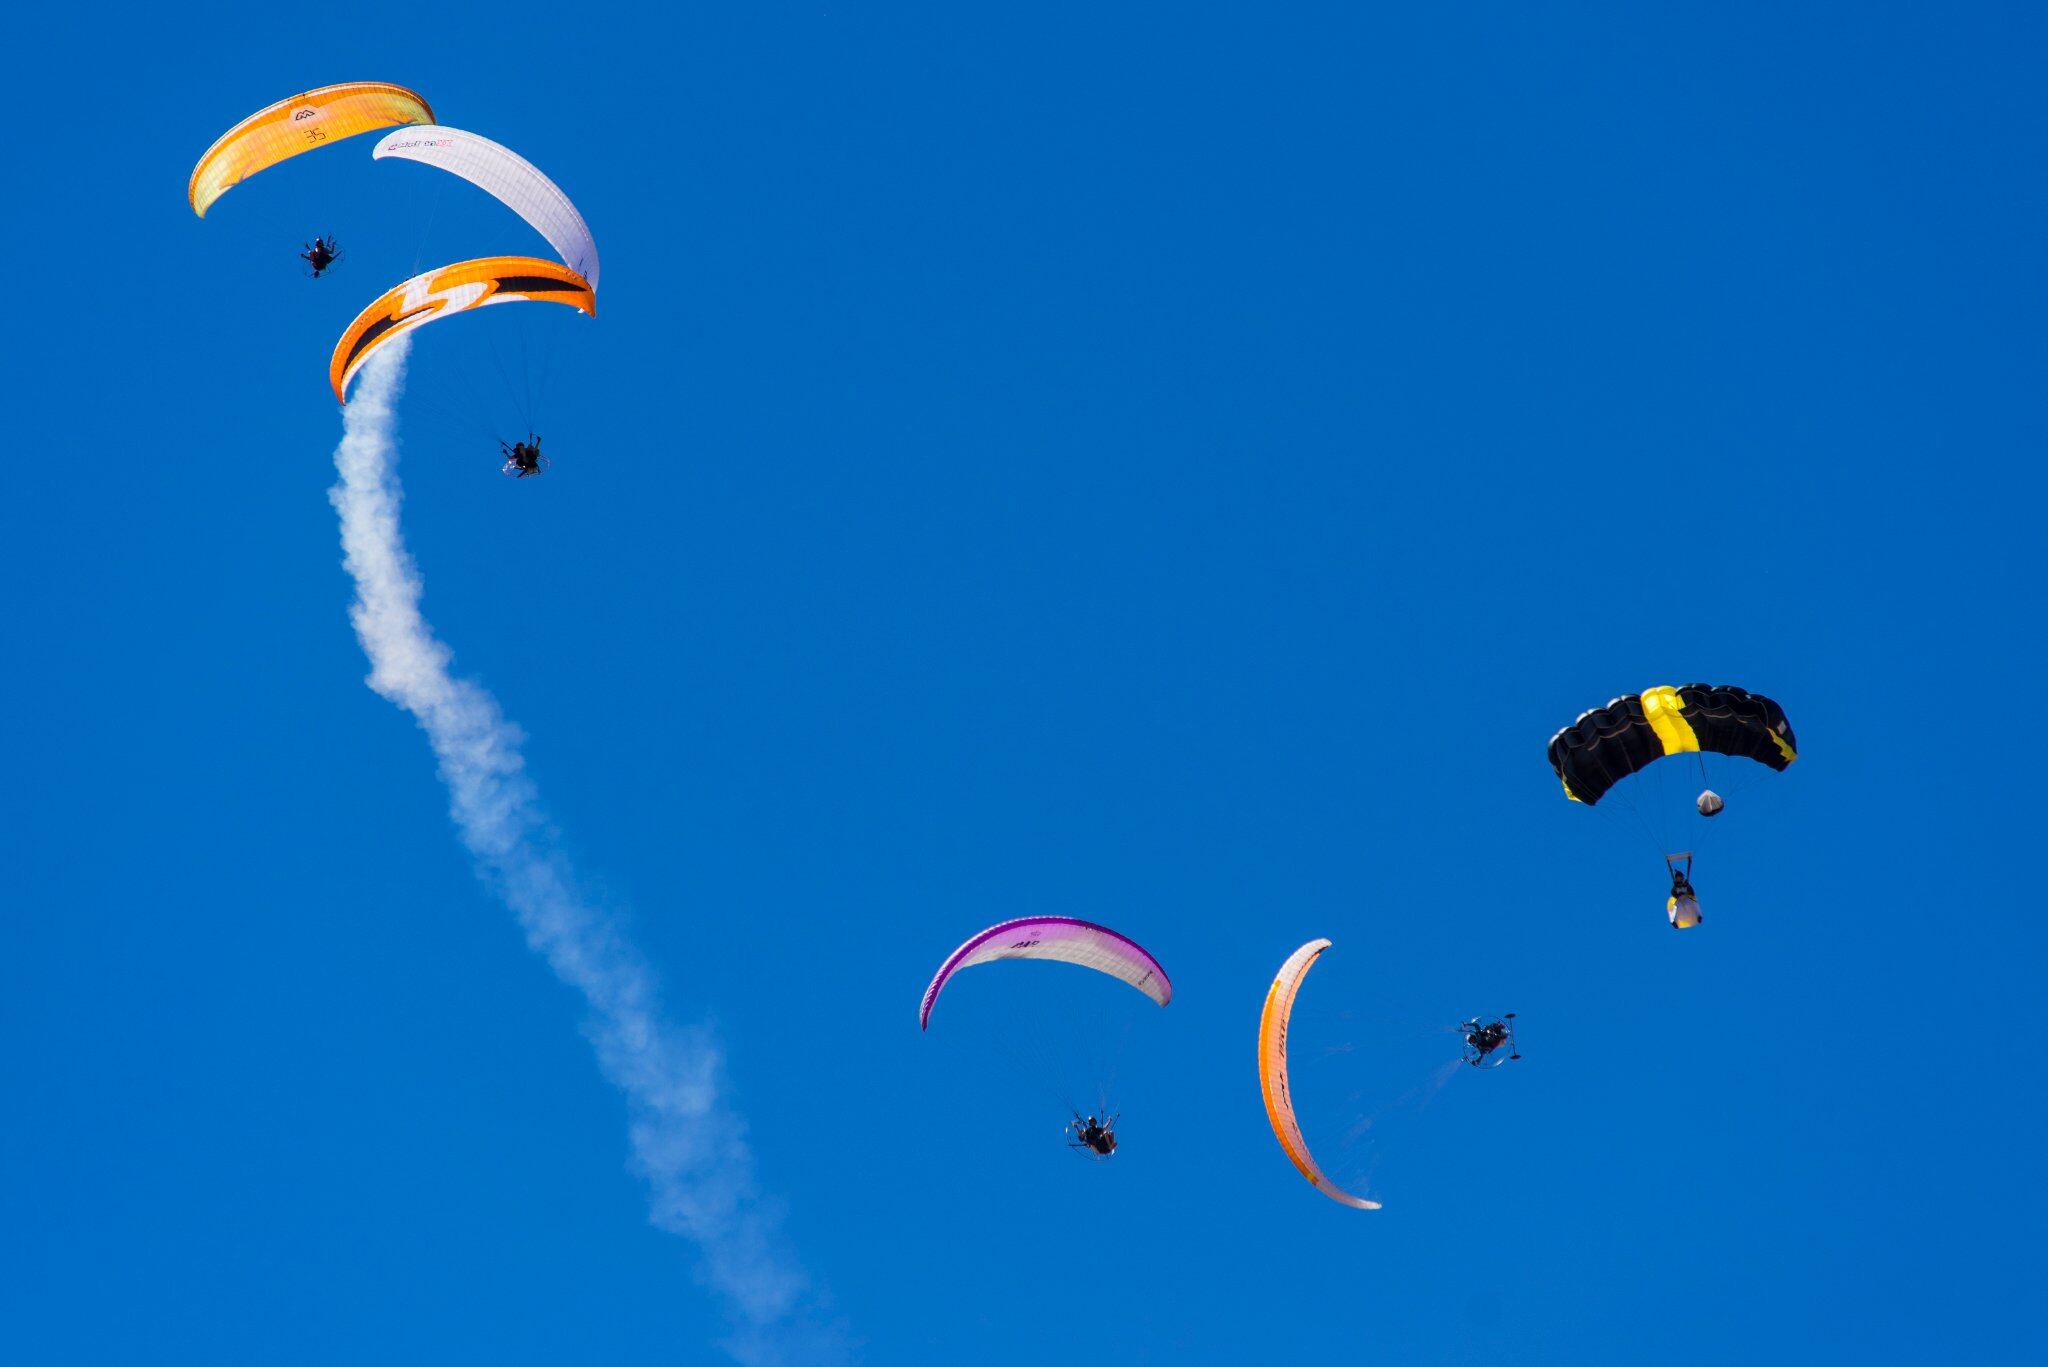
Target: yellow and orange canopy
point(302, 123)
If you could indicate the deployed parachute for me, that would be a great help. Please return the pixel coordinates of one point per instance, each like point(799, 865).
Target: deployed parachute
point(1612, 754)
point(1610, 743)
point(449, 290)
point(1059, 938)
point(300, 124)
point(504, 174)
point(1273, 1073)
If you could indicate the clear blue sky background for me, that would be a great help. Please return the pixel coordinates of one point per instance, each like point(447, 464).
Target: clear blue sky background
point(1174, 466)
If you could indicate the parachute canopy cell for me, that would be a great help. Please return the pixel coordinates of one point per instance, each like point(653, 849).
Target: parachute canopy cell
point(1061, 939)
point(1273, 1073)
point(450, 290)
point(510, 178)
point(303, 123)
point(1607, 744)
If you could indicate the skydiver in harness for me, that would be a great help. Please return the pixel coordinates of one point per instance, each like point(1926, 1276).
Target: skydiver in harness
point(522, 458)
point(1097, 1136)
point(1683, 909)
point(320, 253)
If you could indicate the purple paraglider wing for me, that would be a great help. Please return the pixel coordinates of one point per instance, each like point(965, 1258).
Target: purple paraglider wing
point(1061, 938)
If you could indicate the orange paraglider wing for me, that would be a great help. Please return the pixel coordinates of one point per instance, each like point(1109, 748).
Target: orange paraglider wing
point(303, 123)
point(450, 290)
point(1273, 1073)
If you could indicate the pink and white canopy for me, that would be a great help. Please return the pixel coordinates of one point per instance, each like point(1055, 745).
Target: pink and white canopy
point(1061, 938)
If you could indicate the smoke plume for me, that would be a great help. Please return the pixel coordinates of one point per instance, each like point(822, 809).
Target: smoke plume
point(687, 1142)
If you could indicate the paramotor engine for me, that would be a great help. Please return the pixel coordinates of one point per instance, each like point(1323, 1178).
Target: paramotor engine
point(1485, 1039)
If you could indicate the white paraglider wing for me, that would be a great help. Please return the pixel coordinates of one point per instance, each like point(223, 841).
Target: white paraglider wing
point(504, 174)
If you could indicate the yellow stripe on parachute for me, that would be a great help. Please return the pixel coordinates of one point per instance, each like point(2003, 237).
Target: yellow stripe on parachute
point(1664, 710)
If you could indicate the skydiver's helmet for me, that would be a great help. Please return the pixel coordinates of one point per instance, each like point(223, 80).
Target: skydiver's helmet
point(1683, 911)
point(1710, 803)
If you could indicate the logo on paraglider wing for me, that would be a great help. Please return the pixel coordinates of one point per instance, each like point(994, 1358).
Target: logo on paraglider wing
point(311, 111)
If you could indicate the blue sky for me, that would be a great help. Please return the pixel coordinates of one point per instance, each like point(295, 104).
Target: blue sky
point(1174, 468)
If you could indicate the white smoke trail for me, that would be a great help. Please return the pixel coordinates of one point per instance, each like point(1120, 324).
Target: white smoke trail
point(686, 1140)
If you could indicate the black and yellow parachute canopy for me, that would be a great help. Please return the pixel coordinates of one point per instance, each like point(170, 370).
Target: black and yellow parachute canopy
point(1607, 744)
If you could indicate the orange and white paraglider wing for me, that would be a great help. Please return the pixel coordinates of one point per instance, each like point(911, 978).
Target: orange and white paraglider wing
point(449, 290)
point(1273, 1073)
point(303, 123)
